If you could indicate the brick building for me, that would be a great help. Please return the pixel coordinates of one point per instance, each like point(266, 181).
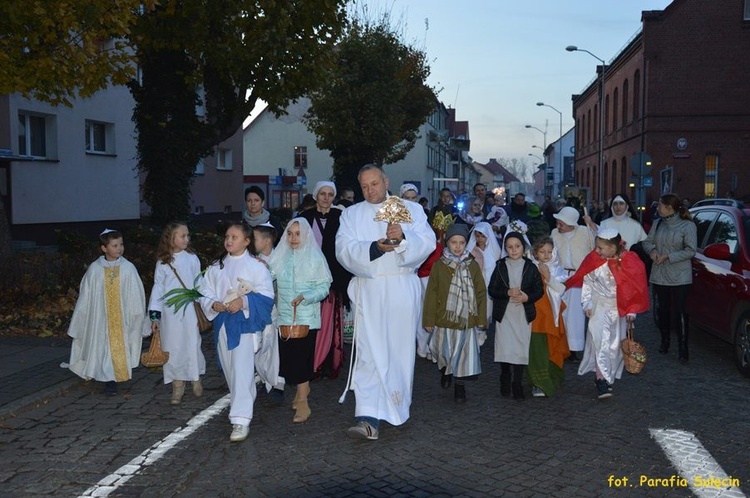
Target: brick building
point(677, 91)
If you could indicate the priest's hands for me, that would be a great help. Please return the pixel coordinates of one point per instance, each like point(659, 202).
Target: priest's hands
point(394, 232)
point(385, 247)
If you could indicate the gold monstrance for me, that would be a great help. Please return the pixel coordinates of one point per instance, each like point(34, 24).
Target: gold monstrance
point(393, 211)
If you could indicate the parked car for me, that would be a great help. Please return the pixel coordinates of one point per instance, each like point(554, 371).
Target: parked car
point(719, 299)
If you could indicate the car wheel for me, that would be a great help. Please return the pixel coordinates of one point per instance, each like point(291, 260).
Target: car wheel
point(742, 344)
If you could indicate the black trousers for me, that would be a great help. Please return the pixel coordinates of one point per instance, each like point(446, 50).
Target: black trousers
point(671, 303)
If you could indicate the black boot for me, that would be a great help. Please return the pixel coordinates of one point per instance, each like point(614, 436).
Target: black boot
point(445, 380)
point(504, 379)
point(459, 393)
point(664, 348)
point(518, 382)
point(682, 339)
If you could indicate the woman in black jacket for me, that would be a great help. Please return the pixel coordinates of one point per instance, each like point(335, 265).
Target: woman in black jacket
point(515, 286)
point(324, 220)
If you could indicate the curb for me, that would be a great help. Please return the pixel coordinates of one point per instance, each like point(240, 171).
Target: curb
point(12, 409)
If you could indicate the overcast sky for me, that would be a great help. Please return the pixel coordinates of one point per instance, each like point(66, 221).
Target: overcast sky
point(495, 59)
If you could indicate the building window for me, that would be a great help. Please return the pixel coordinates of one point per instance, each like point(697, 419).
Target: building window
point(613, 180)
point(747, 10)
point(712, 176)
point(224, 159)
point(300, 156)
point(99, 137)
point(596, 131)
point(200, 167)
point(625, 90)
point(583, 131)
point(288, 199)
point(606, 115)
point(32, 135)
point(636, 95)
point(615, 108)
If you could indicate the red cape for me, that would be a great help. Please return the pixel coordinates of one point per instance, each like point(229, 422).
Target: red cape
point(426, 268)
point(630, 277)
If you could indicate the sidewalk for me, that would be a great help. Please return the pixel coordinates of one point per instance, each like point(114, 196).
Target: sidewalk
point(30, 371)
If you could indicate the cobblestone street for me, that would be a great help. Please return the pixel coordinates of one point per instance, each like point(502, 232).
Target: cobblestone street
point(72, 437)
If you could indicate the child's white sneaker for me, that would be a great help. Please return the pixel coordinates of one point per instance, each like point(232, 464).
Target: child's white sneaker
point(537, 392)
point(239, 433)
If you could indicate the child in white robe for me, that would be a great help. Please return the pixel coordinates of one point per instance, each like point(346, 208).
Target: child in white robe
point(109, 319)
point(485, 249)
point(614, 290)
point(237, 324)
point(267, 357)
point(177, 267)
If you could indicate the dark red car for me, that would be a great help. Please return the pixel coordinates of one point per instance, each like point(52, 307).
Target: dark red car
point(719, 300)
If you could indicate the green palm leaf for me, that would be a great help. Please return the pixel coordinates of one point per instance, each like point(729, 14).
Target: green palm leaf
point(180, 298)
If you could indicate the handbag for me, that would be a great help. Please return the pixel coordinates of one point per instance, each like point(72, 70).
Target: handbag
point(204, 324)
point(293, 331)
point(633, 352)
point(154, 357)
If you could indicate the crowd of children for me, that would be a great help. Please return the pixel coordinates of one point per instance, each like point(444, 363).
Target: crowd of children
point(471, 284)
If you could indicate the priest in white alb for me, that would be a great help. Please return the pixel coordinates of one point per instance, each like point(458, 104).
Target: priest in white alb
point(386, 297)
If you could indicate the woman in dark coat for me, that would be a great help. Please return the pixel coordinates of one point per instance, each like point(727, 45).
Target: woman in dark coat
point(324, 220)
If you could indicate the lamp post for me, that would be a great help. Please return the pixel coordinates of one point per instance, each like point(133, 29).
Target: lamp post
point(559, 149)
point(573, 48)
point(544, 134)
point(541, 160)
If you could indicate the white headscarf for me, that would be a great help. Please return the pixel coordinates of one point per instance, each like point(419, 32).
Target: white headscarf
point(322, 184)
point(406, 187)
point(314, 267)
point(557, 274)
point(491, 250)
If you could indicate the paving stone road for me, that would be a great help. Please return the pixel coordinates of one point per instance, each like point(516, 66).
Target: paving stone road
point(59, 436)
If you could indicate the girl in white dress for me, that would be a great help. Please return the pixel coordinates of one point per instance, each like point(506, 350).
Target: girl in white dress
point(179, 329)
point(238, 324)
point(485, 249)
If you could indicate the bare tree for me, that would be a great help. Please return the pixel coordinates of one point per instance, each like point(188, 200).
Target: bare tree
point(518, 168)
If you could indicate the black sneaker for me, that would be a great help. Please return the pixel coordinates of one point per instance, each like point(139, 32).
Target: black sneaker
point(110, 388)
point(445, 379)
point(459, 393)
point(276, 395)
point(602, 389)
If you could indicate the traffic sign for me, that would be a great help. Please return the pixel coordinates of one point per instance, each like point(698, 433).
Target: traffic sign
point(640, 163)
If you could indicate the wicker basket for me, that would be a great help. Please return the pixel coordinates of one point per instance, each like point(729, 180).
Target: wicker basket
point(293, 331)
point(154, 357)
point(633, 352)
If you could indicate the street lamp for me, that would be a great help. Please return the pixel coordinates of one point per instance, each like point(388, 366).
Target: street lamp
point(541, 160)
point(559, 149)
point(544, 134)
point(573, 48)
